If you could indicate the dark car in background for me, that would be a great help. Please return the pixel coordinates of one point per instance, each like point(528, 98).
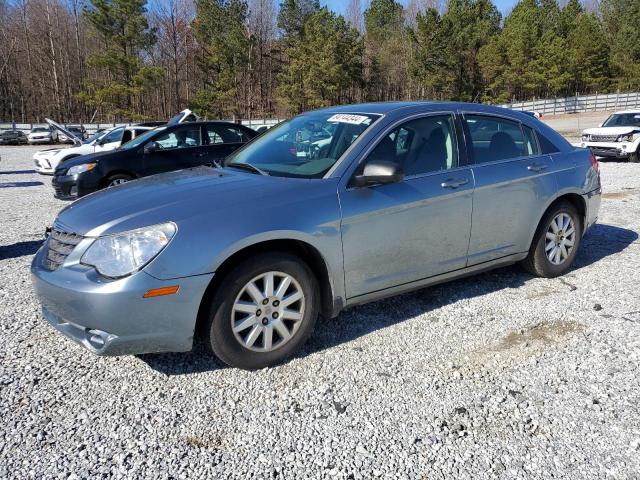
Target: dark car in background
point(167, 148)
point(12, 137)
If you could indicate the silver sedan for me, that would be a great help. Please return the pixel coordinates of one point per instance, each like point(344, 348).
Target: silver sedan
point(330, 209)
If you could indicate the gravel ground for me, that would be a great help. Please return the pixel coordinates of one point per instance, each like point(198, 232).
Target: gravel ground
point(496, 376)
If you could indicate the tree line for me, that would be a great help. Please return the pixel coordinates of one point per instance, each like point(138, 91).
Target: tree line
point(114, 60)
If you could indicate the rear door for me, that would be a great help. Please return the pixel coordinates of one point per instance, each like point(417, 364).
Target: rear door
point(221, 140)
point(513, 182)
point(177, 148)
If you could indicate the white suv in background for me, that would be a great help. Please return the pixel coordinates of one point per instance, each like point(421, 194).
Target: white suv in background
point(617, 137)
point(46, 161)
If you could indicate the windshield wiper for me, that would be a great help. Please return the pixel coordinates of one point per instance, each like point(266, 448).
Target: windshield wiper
point(249, 167)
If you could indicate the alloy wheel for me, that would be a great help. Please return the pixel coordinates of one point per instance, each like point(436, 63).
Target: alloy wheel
point(117, 181)
point(268, 311)
point(560, 239)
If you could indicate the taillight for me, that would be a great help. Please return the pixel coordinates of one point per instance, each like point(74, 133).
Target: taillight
point(594, 162)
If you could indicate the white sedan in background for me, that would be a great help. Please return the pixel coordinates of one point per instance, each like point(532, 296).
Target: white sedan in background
point(46, 161)
point(42, 134)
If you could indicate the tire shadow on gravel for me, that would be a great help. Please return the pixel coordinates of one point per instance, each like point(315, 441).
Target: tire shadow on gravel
point(601, 241)
point(19, 249)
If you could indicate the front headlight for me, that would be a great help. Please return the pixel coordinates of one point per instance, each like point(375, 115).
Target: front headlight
point(585, 138)
point(626, 138)
point(119, 255)
point(85, 167)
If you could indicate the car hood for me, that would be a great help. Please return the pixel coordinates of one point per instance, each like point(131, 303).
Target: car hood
point(611, 130)
point(169, 197)
point(88, 157)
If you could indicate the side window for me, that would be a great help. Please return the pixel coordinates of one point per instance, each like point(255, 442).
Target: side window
point(494, 138)
point(530, 142)
point(546, 145)
point(183, 137)
point(423, 145)
point(126, 136)
point(114, 136)
point(225, 134)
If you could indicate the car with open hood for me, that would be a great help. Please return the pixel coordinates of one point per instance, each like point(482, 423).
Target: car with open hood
point(170, 147)
point(46, 161)
point(248, 254)
point(618, 137)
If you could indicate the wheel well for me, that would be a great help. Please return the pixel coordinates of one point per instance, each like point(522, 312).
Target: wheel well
point(106, 178)
point(303, 250)
point(577, 201)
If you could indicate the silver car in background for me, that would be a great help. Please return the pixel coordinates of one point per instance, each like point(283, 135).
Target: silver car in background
point(395, 197)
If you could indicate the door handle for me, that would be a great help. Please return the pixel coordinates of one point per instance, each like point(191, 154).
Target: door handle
point(453, 183)
point(536, 167)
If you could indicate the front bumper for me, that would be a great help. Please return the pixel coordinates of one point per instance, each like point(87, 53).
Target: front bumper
point(43, 166)
point(71, 187)
point(610, 149)
point(34, 141)
point(111, 317)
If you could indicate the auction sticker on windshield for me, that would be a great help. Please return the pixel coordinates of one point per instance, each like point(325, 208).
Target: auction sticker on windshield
point(348, 118)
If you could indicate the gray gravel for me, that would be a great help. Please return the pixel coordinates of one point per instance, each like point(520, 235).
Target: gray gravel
point(499, 375)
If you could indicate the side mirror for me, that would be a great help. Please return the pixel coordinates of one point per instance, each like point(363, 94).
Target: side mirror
point(379, 172)
point(150, 148)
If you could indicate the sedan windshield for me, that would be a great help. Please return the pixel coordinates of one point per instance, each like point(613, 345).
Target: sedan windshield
point(306, 146)
point(39, 129)
point(623, 120)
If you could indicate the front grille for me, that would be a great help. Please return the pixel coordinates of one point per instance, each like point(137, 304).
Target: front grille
point(604, 138)
point(58, 247)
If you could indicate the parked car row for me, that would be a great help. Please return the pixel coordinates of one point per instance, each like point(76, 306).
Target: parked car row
point(329, 209)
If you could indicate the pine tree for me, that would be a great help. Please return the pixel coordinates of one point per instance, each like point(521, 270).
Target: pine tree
point(324, 64)
point(220, 28)
point(123, 26)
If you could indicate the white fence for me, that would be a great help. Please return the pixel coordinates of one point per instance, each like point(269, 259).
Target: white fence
point(580, 103)
point(91, 128)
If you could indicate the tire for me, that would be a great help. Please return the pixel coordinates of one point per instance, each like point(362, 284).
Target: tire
point(634, 157)
point(118, 179)
point(538, 262)
point(247, 347)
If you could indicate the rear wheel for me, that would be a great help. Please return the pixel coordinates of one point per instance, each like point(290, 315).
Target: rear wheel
point(116, 180)
point(556, 241)
point(263, 312)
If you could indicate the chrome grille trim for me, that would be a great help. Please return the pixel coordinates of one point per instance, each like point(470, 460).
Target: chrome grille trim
point(604, 138)
point(58, 247)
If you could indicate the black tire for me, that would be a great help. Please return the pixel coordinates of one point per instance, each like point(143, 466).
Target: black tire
point(634, 157)
point(537, 262)
point(219, 335)
point(121, 177)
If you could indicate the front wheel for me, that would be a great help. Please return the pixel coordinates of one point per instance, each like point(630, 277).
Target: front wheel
point(634, 157)
point(263, 312)
point(556, 241)
point(116, 180)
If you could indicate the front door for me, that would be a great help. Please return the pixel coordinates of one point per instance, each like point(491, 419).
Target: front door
point(513, 184)
point(176, 149)
point(403, 232)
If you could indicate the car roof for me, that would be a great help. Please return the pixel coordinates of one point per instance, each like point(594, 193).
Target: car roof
point(383, 108)
point(624, 112)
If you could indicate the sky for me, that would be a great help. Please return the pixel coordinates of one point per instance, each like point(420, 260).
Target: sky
point(340, 5)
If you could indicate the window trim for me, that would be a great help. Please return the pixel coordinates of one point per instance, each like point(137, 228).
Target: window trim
point(462, 163)
point(469, 141)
